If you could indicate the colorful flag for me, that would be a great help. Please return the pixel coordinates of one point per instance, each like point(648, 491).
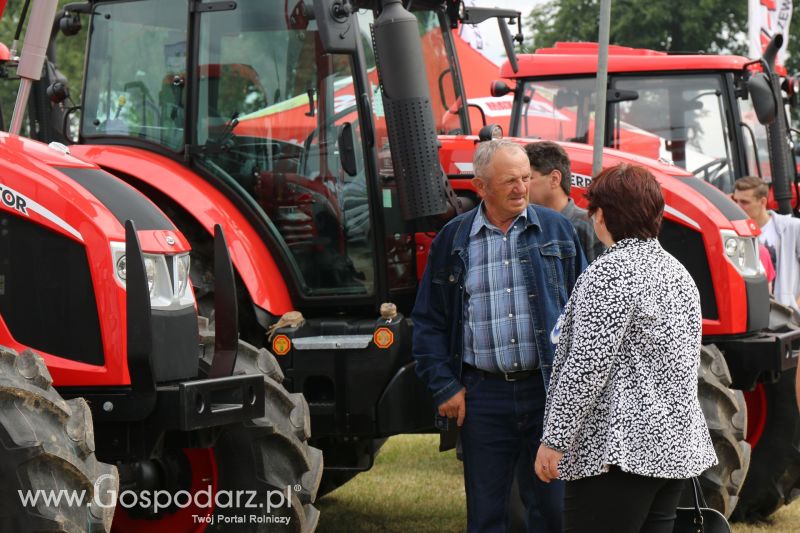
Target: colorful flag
point(765, 19)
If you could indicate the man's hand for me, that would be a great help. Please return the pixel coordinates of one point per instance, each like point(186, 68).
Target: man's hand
point(455, 407)
point(546, 465)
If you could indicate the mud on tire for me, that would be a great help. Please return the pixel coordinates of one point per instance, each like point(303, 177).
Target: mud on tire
point(268, 454)
point(726, 415)
point(48, 445)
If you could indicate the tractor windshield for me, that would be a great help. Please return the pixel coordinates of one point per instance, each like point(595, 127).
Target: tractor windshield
point(136, 73)
point(678, 118)
point(260, 105)
point(685, 116)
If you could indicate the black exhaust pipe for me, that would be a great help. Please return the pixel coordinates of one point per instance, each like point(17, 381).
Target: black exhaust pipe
point(781, 157)
point(423, 189)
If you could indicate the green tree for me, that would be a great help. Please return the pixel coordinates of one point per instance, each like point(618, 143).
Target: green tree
point(793, 59)
point(69, 56)
point(670, 25)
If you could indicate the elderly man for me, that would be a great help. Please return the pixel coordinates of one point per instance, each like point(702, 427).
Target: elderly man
point(551, 181)
point(496, 281)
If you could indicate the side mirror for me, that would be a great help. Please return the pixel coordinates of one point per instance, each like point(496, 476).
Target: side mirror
point(760, 90)
point(499, 88)
point(347, 149)
point(70, 24)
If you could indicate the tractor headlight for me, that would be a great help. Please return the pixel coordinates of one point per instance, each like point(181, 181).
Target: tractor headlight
point(167, 277)
point(742, 252)
point(181, 274)
point(150, 273)
point(122, 267)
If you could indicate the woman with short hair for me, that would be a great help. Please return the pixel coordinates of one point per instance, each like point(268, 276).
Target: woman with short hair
point(623, 424)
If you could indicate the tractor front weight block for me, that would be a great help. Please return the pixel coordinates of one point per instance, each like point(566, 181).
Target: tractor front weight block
point(760, 358)
point(211, 402)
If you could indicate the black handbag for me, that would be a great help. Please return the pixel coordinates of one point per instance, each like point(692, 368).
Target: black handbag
point(700, 519)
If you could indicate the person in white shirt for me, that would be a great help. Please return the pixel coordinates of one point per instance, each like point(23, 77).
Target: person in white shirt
point(780, 234)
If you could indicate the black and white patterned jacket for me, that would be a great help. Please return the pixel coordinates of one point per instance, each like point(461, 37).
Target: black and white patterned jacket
point(624, 384)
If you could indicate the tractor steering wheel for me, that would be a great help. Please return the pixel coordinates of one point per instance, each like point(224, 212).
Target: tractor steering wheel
point(711, 171)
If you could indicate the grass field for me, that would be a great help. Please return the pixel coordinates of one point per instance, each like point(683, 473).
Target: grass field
point(414, 488)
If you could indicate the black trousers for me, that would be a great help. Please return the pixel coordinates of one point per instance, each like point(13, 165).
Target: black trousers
point(619, 502)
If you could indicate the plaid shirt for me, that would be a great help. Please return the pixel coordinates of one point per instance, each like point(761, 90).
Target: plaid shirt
point(498, 330)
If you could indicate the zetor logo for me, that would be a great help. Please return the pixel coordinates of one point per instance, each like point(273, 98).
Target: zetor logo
point(13, 200)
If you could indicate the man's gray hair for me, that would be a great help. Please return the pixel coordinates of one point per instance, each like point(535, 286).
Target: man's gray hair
point(485, 151)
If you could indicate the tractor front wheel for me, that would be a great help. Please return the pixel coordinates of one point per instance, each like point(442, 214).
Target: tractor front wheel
point(774, 476)
point(48, 453)
point(269, 457)
point(726, 415)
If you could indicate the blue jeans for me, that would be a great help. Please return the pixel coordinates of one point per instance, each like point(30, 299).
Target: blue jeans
point(535, 522)
point(503, 419)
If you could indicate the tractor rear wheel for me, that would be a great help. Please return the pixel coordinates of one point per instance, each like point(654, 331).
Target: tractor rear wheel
point(774, 476)
point(269, 455)
point(48, 452)
point(726, 415)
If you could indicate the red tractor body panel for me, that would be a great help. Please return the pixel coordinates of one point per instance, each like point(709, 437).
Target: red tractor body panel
point(30, 171)
point(581, 58)
point(250, 256)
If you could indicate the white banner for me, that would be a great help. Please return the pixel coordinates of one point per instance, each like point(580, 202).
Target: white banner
point(765, 19)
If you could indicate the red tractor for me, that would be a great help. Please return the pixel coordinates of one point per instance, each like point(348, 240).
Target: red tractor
point(114, 404)
point(719, 118)
point(328, 193)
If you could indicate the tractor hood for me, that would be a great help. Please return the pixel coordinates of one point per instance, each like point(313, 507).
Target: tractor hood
point(77, 198)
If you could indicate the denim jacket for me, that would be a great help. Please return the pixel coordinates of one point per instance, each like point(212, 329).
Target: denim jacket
point(551, 258)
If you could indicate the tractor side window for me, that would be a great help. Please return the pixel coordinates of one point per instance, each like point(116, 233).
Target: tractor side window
point(558, 110)
point(273, 112)
point(46, 294)
point(136, 72)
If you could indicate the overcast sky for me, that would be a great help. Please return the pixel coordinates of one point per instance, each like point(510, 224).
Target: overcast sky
point(493, 45)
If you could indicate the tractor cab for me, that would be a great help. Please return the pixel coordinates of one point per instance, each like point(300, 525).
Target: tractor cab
point(708, 114)
point(249, 97)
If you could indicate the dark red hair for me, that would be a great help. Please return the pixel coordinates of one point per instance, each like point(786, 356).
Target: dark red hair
point(631, 200)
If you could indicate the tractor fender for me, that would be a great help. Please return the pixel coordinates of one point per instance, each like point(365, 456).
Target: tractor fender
point(209, 206)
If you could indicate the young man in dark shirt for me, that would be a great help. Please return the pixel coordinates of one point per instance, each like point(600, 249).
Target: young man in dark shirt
point(549, 187)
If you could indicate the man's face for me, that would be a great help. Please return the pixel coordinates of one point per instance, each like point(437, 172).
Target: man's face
point(505, 189)
point(753, 206)
point(541, 186)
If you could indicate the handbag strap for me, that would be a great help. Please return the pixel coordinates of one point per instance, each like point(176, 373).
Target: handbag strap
point(698, 498)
